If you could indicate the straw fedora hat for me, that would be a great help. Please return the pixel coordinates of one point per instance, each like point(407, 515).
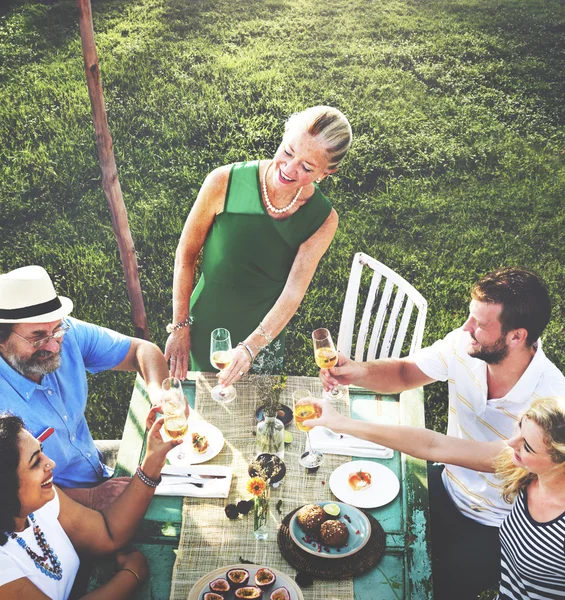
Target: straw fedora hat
point(27, 295)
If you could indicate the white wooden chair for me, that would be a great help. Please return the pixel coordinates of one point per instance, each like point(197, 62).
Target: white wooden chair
point(388, 326)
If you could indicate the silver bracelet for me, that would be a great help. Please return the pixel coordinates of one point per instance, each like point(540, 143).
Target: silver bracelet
point(176, 326)
point(147, 480)
point(264, 333)
point(247, 347)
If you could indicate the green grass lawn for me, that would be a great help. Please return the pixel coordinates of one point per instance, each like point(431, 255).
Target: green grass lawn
point(457, 165)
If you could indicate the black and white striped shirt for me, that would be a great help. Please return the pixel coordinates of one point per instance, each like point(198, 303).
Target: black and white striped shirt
point(533, 555)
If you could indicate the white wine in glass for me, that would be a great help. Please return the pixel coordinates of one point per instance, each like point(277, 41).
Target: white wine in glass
point(304, 409)
point(221, 357)
point(325, 356)
point(173, 404)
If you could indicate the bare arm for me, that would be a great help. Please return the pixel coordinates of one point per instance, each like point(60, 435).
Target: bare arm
point(148, 360)
point(384, 376)
point(415, 441)
point(101, 533)
point(208, 204)
point(299, 278)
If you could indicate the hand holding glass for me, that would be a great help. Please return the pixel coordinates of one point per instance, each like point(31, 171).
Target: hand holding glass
point(325, 355)
point(221, 357)
point(305, 409)
point(173, 404)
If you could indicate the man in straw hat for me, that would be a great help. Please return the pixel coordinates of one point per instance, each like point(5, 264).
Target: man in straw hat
point(44, 356)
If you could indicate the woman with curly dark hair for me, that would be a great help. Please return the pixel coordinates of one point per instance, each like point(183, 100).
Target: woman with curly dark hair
point(43, 531)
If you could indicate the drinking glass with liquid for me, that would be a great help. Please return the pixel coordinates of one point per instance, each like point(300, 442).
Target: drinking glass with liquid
point(221, 357)
point(174, 407)
point(304, 409)
point(325, 356)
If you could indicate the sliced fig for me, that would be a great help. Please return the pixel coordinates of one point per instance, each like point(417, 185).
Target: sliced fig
point(212, 596)
point(280, 594)
point(237, 577)
point(264, 577)
point(249, 591)
point(220, 585)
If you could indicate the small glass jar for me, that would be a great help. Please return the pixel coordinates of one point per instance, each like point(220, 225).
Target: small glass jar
point(270, 437)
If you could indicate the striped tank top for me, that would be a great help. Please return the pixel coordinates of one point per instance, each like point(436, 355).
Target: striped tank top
point(532, 555)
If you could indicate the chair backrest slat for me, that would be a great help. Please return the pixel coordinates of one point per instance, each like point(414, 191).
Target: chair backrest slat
point(392, 322)
point(405, 300)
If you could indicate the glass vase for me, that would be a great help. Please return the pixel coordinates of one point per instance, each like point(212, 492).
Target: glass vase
point(270, 437)
point(261, 514)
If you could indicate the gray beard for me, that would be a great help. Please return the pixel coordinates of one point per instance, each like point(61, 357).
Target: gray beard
point(32, 365)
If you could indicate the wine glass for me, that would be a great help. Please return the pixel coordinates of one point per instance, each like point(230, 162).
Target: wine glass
point(221, 357)
point(304, 409)
point(326, 357)
point(173, 405)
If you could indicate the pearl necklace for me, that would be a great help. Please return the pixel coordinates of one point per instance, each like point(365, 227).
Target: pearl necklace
point(268, 201)
point(55, 571)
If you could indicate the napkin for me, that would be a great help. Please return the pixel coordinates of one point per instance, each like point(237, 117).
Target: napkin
point(173, 484)
point(346, 445)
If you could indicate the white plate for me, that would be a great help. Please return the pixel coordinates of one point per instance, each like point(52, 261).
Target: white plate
point(215, 444)
point(383, 489)
point(201, 586)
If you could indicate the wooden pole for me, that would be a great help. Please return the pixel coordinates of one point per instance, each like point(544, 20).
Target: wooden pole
point(110, 181)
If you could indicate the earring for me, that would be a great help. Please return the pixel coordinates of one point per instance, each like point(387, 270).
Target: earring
point(318, 180)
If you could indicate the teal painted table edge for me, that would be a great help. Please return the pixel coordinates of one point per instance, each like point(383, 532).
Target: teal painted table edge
point(159, 533)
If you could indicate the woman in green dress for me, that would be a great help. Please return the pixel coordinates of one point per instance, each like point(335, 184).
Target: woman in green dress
point(264, 226)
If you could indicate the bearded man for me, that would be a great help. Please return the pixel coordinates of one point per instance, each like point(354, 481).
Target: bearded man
point(495, 367)
point(44, 357)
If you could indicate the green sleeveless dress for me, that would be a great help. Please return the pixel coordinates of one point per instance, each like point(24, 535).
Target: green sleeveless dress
point(247, 258)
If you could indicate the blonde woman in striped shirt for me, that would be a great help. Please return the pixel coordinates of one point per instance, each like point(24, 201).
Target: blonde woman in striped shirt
point(531, 466)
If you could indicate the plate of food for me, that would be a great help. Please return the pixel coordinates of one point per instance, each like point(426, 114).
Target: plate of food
point(245, 581)
point(202, 442)
point(329, 529)
point(364, 483)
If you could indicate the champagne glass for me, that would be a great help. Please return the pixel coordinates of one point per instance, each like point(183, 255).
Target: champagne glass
point(173, 404)
point(221, 357)
point(326, 357)
point(304, 409)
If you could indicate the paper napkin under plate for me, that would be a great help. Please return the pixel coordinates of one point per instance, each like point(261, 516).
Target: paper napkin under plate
point(173, 484)
point(346, 445)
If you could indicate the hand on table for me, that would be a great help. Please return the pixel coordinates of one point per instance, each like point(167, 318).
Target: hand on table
point(239, 366)
point(135, 561)
point(177, 352)
point(345, 372)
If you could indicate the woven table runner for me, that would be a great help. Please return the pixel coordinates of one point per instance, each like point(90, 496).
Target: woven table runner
point(209, 539)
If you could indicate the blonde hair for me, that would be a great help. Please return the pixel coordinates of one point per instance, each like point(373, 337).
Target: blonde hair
point(549, 414)
point(330, 125)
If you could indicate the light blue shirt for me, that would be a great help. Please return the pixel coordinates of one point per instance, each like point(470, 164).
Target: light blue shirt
point(59, 401)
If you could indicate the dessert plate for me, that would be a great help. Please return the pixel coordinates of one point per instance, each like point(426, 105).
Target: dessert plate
point(383, 489)
point(357, 524)
point(215, 444)
point(283, 580)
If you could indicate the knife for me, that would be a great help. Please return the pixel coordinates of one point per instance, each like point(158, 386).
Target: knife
point(193, 476)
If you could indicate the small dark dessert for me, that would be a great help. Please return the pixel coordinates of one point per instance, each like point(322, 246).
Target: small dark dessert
point(212, 596)
point(310, 518)
point(250, 591)
point(220, 586)
point(280, 594)
point(237, 577)
point(334, 533)
point(231, 511)
point(245, 506)
point(264, 577)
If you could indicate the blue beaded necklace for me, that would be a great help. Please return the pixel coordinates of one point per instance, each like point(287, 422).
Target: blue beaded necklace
point(55, 571)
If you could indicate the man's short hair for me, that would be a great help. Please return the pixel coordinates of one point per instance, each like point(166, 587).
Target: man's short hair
point(5, 331)
point(524, 298)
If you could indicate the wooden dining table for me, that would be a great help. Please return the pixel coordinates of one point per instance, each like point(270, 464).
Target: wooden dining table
point(405, 569)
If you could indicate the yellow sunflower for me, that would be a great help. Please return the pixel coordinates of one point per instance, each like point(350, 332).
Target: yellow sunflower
point(256, 486)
